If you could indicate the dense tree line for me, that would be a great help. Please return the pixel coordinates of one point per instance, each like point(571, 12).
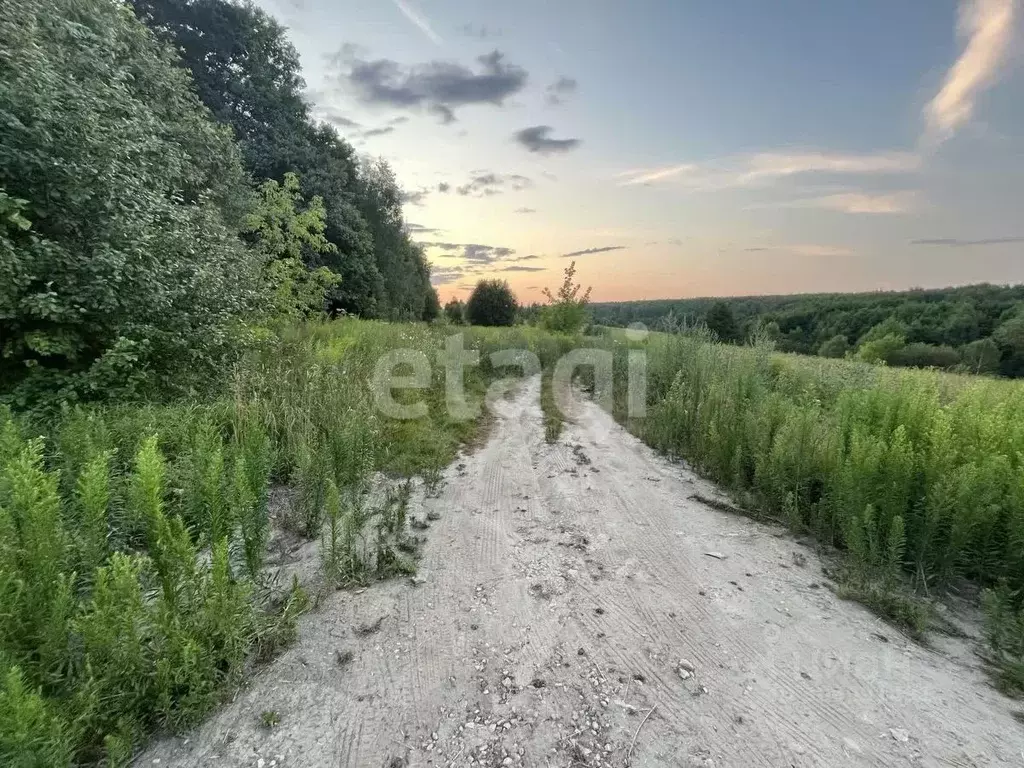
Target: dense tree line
point(978, 328)
point(247, 73)
point(164, 192)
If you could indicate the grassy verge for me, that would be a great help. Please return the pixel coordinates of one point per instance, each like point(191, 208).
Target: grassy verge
point(132, 591)
point(916, 474)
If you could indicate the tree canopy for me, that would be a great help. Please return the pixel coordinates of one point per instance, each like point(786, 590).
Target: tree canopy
point(491, 303)
point(247, 72)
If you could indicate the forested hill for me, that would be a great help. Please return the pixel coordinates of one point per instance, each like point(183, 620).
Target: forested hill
point(977, 327)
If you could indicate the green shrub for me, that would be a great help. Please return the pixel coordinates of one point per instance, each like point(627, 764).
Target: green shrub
point(111, 172)
point(491, 303)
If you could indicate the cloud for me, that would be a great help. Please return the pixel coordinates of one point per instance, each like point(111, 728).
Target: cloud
point(440, 87)
point(326, 112)
point(987, 26)
point(818, 250)
point(561, 90)
point(536, 139)
point(445, 275)
point(472, 252)
point(587, 251)
point(487, 184)
point(419, 20)
point(519, 268)
point(370, 133)
point(446, 113)
point(776, 164)
point(419, 229)
point(444, 187)
point(768, 167)
point(806, 249)
point(854, 202)
point(951, 242)
point(531, 257)
point(526, 210)
point(415, 197)
point(655, 174)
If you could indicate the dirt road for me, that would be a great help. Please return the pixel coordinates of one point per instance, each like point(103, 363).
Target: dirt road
point(571, 616)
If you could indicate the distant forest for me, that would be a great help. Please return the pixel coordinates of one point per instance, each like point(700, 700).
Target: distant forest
point(976, 328)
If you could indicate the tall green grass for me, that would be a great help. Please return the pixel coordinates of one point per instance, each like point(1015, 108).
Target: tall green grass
point(132, 537)
point(918, 475)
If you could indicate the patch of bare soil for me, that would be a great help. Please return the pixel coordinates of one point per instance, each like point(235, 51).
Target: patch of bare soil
point(582, 604)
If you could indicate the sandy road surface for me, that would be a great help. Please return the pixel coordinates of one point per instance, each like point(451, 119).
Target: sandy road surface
point(569, 603)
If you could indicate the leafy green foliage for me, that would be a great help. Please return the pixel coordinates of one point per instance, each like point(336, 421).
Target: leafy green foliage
point(247, 73)
point(284, 233)
point(881, 350)
point(721, 322)
point(455, 311)
point(836, 347)
point(111, 172)
point(491, 303)
point(567, 310)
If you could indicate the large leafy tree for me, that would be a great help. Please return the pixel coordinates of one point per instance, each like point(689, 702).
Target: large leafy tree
point(491, 303)
point(120, 199)
point(247, 72)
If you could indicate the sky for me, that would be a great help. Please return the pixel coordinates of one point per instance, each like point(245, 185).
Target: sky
point(678, 148)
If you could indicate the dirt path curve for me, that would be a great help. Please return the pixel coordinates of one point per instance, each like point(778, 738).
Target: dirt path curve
point(570, 612)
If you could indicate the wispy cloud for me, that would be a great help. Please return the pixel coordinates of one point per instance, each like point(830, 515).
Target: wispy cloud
point(415, 196)
point(419, 229)
point(812, 249)
point(767, 167)
point(853, 202)
point(419, 20)
point(857, 202)
point(952, 242)
point(588, 251)
point(646, 176)
point(520, 268)
point(987, 26)
point(561, 90)
point(382, 131)
point(524, 209)
point(770, 165)
point(803, 249)
point(488, 184)
point(472, 252)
